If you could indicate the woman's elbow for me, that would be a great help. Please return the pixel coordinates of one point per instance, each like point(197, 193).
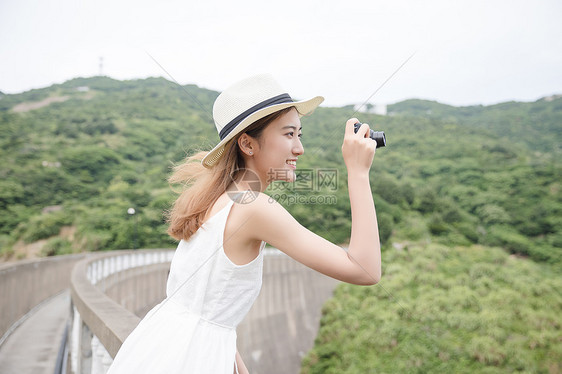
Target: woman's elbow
point(364, 275)
point(368, 278)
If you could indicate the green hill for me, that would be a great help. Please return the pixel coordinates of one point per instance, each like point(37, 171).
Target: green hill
point(536, 125)
point(468, 201)
point(93, 147)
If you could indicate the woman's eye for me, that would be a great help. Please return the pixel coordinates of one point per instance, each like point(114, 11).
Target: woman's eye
point(292, 133)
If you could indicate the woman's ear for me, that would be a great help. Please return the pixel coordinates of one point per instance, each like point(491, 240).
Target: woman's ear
point(247, 144)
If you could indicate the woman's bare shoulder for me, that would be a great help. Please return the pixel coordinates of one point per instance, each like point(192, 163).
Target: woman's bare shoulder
point(260, 213)
point(251, 219)
point(264, 205)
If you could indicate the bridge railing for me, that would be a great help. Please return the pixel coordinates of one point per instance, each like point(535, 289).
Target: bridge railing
point(110, 293)
point(24, 285)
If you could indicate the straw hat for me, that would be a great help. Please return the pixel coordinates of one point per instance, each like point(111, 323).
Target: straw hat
point(247, 101)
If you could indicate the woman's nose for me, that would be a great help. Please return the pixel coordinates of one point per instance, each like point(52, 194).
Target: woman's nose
point(298, 148)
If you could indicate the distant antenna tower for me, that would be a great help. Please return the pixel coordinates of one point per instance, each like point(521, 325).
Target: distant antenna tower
point(101, 66)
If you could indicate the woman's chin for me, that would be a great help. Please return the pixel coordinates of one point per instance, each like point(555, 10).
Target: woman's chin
point(291, 176)
point(285, 175)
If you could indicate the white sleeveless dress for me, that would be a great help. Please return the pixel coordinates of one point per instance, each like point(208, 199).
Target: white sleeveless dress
point(194, 329)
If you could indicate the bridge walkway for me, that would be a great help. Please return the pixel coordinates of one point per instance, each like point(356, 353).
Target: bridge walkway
point(32, 348)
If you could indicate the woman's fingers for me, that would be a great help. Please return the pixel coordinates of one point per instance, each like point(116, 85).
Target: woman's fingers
point(363, 130)
point(357, 148)
point(349, 126)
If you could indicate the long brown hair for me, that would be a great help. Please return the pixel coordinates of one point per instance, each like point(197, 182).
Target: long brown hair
point(201, 187)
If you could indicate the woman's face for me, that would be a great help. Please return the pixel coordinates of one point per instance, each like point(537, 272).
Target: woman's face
point(280, 145)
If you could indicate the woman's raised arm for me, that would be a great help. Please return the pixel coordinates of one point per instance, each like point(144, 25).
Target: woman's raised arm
point(361, 264)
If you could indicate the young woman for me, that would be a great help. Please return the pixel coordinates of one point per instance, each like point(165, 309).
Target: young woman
point(223, 220)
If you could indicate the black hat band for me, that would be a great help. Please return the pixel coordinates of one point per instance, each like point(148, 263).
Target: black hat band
point(280, 99)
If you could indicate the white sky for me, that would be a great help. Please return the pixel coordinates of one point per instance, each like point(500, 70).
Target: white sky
point(466, 52)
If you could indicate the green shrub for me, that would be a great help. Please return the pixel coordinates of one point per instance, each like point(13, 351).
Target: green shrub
point(451, 213)
point(545, 253)
point(382, 206)
point(437, 225)
point(5, 246)
point(556, 239)
point(386, 225)
point(509, 238)
point(12, 216)
point(92, 163)
point(11, 192)
point(487, 351)
point(426, 201)
point(386, 188)
point(412, 228)
point(56, 246)
point(453, 238)
point(96, 240)
point(44, 226)
point(493, 214)
point(469, 231)
point(408, 192)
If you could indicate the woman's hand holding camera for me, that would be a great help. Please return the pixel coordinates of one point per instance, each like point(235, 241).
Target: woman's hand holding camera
point(358, 149)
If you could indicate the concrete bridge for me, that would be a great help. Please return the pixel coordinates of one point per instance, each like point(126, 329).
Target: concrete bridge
point(70, 314)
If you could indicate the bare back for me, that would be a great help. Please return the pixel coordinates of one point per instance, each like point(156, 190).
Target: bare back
point(238, 245)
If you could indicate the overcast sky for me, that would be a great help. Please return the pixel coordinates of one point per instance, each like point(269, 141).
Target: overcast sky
point(465, 52)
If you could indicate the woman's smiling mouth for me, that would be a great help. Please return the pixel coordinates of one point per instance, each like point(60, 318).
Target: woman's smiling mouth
point(292, 163)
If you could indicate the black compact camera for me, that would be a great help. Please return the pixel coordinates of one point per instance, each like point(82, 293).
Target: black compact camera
point(377, 136)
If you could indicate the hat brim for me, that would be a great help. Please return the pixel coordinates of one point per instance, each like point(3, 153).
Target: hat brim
point(303, 108)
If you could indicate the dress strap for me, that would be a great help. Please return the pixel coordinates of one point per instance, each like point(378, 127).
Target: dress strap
point(235, 366)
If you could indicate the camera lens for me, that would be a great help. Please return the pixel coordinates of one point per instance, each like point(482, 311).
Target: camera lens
point(377, 136)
